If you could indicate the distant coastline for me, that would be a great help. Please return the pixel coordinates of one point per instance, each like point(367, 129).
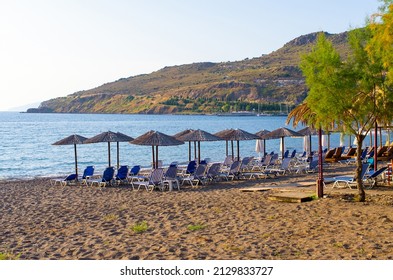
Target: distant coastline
point(230, 114)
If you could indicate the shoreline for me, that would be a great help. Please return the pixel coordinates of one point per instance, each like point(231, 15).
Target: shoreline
point(213, 222)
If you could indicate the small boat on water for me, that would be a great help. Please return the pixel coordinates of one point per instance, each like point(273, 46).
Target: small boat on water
point(264, 115)
point(238, 114)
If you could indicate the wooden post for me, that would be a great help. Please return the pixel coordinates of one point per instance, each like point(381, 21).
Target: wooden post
point(118, 156)
point(189, 150)
point(199, 151)
point(154, 159)
point(238, 150)
point(233, 156)
point(109, 154)
point(195, 150)
point(76, 162)
point(376, 147)
point(157, 156)
point(282, 148)
point(320, 182)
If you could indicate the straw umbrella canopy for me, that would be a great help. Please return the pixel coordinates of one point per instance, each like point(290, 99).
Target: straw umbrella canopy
point(281, 133)
point(309, 131)
point(235, 135)
point(109, 137)
point(261, 133)
point(184, 132)
point(198, 136)
point(154, 139)
point(72, 140)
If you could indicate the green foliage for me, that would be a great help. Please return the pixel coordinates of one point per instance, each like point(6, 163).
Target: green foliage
point(140, 227)
point(173, 101)
point(9, 256)
point(352, 93)
point(195, 227)
point(129, 98)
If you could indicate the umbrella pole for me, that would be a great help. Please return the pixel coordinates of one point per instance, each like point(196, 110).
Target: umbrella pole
point(109, 154)
point(311, 145)
point(376, 147)
point(199, 151)
point(320, 182)
point(189, 150)
point(233, 157)
point(195, 151)
point(76, 162)
point(282, 148)
point(118, 157)
point(264, 147)
point(226, 146)
point(238, 150)
point(157, 156)
point(154, 159)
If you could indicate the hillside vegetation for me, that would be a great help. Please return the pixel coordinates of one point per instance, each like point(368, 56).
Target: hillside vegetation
point(259, 83)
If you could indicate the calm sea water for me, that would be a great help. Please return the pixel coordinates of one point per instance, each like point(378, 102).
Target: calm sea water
point(26, 139)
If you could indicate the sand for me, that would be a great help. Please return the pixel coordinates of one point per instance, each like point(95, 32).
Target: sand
point(217, 221)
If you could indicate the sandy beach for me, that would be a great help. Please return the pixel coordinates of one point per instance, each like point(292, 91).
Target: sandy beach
point(217, 221)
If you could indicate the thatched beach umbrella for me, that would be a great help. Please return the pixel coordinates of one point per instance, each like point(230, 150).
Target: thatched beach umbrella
point(309, 131)
point(261, 133)
point(109, 137)
point(281, 133)
point(154, 139)
point(72, 140)
point(235, 135)
point(198, 136)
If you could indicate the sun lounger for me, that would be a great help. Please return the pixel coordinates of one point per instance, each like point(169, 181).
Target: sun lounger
point(191, 167)
point(246, 164)
point(122, 175)
point(336, 155)
point(232, 172)
point(350, 154)
point(198, 176)
point(329, 155)
point(259, 166)
point(371, 178)
point(309, 167)
point(213, 172)
point(154, 181)
point(282, 169)
point(106, 179)
point(349, 181)
point(87, 174)
point(64, 181)
point(170, 178)
point(387, 155)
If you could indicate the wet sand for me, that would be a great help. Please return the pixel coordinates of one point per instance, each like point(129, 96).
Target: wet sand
point(217, 221)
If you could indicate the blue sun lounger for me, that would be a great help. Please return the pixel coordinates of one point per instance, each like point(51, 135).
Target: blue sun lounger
point(107, 178)
point(64, 181)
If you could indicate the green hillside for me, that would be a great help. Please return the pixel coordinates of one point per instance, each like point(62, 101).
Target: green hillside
point(264, 82)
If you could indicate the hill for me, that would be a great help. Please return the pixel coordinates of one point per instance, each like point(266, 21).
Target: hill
point(259, 83)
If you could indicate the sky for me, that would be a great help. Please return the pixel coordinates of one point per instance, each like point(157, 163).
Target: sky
point(52, 48)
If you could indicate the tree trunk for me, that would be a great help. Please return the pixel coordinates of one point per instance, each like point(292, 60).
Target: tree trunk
point(361, 197)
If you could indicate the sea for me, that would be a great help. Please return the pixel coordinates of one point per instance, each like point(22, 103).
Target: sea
point(26, 149)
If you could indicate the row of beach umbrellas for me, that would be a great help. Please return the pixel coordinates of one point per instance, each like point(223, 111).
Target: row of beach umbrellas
point(155, 139)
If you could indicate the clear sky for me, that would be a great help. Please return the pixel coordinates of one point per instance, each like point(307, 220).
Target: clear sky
point(52, 48)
